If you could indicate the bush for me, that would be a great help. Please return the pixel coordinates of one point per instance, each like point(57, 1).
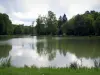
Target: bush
point(74, 65)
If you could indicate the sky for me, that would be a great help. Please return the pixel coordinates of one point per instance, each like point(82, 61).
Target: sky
point(26, 11)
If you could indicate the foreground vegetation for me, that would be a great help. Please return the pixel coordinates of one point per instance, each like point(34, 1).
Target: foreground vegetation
point(48, 71)
point(7, 69)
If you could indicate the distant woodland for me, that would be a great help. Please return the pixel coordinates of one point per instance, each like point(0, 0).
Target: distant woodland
point(79, 25)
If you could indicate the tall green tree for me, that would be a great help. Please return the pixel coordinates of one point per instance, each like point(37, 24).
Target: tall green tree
point(60, 23)
point(5, 24)
point(64, 18)
point(40, 26)
point(64, 25)
point(51, 23)
point(97, 26)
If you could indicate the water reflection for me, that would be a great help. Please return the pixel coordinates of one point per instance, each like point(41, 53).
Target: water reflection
point(4, 50)
point(52, 51)
point(21, 56)
point(24, 56)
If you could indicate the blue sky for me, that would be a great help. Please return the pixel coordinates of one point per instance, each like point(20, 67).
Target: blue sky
point(26, 11)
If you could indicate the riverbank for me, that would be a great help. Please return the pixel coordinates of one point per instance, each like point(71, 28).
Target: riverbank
point(48, 71)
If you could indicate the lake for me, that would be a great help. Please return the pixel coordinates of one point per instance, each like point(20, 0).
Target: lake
point(44, 51)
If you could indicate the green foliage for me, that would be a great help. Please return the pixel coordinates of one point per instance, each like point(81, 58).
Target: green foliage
point(21, 29)
point(5, 24)
point(41, 25)
point(79, 25)
point(18, 29)
point(7, 28)
point(84, 24)
point(47, 25)
point(51, 23)
point(97, 26)
point(62, 23)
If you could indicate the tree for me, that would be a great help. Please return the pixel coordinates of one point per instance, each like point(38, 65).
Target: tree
point(5, 24)
point(88, 25)
point(60, 22)
point(51, 23)
point(64, 18)
point(19, 29)
point(87, 12)
point(41, 25)
point(97, 26)
point(32, 29)
point(64, 25)
point(28, 30)
point(79, 25)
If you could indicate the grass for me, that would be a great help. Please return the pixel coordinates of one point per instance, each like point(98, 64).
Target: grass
point(48, 71)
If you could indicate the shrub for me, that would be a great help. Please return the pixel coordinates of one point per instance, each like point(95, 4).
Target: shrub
point(74, 65)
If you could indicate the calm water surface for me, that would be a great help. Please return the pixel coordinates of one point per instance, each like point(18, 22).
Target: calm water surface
point(50, 51)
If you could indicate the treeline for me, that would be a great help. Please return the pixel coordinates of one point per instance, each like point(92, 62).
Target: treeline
point(7, 28)
point(79, 25)
point(21, 29)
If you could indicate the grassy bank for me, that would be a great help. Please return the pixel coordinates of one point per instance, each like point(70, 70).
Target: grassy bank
point(48, 71)
point(7, 69)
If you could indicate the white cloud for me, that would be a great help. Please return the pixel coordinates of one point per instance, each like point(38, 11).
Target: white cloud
point(2, 9)
point(30, 9)
point(33, 13)
point(21, 22)
point(74, 7)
